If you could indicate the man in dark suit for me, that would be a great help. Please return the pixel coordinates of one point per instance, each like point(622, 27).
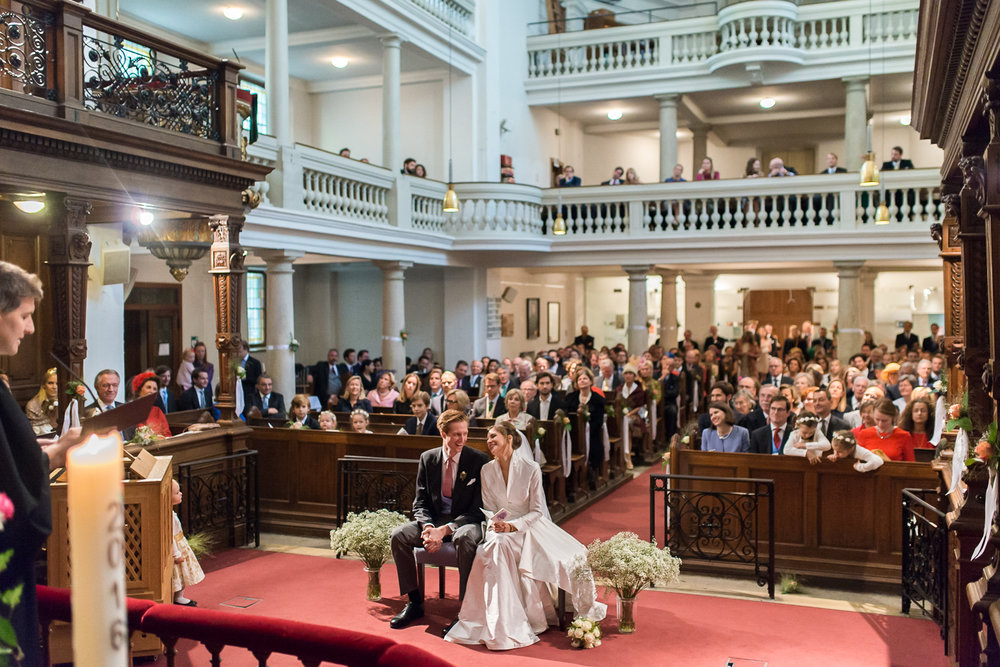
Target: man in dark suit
point(544, 405)
point(828, 423)
point(616, 177)
point(252, 366)
point(584, 339)
point(326, 377)
point(822, 341)
point(687, 341)
point(758, 417)
point(774, 375)
point(714, 339)
point(472, 384)
point(897, 161)
point(568, 178)
point(199, 396)
point(932, 344)
point(422, 421)
point(445, 508)
point(907, 338)
point(166, 399)
point(270, 403)
point(771, 438)
point(106, 386)
point(831, 165)
point(507, 381)
point(693, 385)
point(608, 380)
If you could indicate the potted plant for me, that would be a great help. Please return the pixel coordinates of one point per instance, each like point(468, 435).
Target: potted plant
point(366, 534)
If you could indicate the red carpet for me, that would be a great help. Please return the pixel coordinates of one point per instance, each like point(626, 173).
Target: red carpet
point(673, 628)
point(625, 508)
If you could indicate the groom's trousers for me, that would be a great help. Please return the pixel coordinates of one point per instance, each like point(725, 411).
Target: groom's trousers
point(406, 538)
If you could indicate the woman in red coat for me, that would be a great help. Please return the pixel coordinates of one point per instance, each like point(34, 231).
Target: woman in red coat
point(145, 384)
point(895, 443)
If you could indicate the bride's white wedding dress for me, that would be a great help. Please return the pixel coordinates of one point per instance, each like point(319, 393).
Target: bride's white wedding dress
point(507, 600)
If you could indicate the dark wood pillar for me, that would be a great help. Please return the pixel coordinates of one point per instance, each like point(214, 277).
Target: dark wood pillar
point(227, 272)
point(975, 260)
point(69, 257)
point(947, 237)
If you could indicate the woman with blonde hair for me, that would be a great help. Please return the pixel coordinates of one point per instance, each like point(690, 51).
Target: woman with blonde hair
point(410, 386)
point(43, 408)
point(384, 394)
point(631, 178)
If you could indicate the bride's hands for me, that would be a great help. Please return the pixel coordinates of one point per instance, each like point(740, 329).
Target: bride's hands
point(503, 527)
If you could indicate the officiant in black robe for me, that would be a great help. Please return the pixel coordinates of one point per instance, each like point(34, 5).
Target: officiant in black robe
point(24, 465)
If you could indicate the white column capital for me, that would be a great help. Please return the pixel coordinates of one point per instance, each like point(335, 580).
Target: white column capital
point(637, 272)
point(855, 82)
point(279, 261)
point(848, 269)
point(390, 40)
point(668, 275)
point(668, 100)
point(699, 279)
point(389, 267)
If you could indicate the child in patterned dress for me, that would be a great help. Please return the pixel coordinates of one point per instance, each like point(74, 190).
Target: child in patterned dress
point(187, 571)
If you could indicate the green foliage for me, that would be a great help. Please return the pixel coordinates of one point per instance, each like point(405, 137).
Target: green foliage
point(367, 535)
point(202, 544)
point(790, 584)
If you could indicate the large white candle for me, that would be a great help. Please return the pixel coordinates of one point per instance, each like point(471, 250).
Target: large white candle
point(96, 549)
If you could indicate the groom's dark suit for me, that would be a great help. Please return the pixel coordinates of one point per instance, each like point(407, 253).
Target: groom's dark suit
point(465, 517)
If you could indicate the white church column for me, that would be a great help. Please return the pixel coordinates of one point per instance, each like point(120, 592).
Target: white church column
point(699, 142)
point(850, 335)
point(393, 315)
point(699, 303)
point(867, 277)
point(668, 308)
point(638, 333)
point(668, 134)
point(276, 81)
point(855, 123)
point(280, 320)
point(392, 157)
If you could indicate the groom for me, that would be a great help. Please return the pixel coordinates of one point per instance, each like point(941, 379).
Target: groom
point(446, 508)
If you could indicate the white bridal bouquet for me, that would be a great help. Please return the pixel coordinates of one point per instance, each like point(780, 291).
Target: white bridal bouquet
point(584, 633)
point(367, 535)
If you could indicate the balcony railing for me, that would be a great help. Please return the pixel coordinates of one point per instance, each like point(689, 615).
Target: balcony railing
point(455, 13)
point(71, 63)
point(325, 186)
point(763, 30)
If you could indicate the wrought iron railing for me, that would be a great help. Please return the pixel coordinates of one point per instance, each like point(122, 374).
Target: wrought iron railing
point(717, 519)
point(372, 482)
point(136, 82)
point(925, 558)
point(23, 58)
point(220, 495)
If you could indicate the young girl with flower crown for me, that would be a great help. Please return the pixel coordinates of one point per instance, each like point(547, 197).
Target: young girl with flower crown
point(187, 571)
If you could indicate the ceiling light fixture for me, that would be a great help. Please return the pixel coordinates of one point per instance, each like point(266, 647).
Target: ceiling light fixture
point(26, 202)
point(233, 13)
point(615, 114)
point(767, 103)
point(905, 120)
point(451, 203)
point(146, 217)
point(340, 62)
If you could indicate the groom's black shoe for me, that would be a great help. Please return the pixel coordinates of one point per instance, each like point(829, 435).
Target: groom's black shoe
point(447, 628)
point(411, 612)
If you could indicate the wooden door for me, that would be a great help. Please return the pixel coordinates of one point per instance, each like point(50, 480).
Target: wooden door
point(152, 327)
point(23, 244)
point(780, 308)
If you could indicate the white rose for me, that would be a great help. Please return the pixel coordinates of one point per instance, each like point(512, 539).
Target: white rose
point(587, 625)
point(597, 643)
point(589, 638)
point(578, 633)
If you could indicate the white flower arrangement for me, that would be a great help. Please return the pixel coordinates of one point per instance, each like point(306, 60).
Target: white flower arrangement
point(628, 564)
point(144, 436)
point(584, 633)
point(367, 535)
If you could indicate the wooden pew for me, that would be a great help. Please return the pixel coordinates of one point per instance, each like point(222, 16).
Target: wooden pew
point(830, 520)
point(298, 472)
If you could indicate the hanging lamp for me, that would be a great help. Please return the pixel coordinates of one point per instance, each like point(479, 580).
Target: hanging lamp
point(559, 225)
point(451, 203)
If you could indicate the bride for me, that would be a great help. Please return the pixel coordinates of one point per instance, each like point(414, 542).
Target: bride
point(507, 600)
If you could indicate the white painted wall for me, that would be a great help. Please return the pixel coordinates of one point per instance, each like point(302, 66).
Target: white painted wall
point(546, 287)
point(105, 313)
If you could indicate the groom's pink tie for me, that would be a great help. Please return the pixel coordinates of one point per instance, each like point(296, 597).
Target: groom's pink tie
point(449, 472)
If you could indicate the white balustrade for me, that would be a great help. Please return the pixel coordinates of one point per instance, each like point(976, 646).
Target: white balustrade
point(426, 204)
point(456, 13)
point(490, 209)
point(344, 188)
point(264, 151)
point(839, 28)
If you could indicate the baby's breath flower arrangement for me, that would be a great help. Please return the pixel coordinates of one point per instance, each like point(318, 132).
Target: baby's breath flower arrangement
point(366, 534)
point(584, 633)
point(628, 565)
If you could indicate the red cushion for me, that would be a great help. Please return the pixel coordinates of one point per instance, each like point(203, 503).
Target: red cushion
point(344, 647)
point(55, 604)
point(402, 655)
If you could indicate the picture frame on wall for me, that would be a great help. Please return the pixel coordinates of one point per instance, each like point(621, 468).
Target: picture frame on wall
point(533, 317)
point(553, 322)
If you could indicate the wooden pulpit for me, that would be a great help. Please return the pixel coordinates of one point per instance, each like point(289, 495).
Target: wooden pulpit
point(148, 542)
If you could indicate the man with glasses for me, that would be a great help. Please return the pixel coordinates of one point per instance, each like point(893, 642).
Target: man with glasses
point(771, 439)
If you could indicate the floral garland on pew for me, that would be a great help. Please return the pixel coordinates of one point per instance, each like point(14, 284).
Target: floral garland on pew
point(986, 454)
